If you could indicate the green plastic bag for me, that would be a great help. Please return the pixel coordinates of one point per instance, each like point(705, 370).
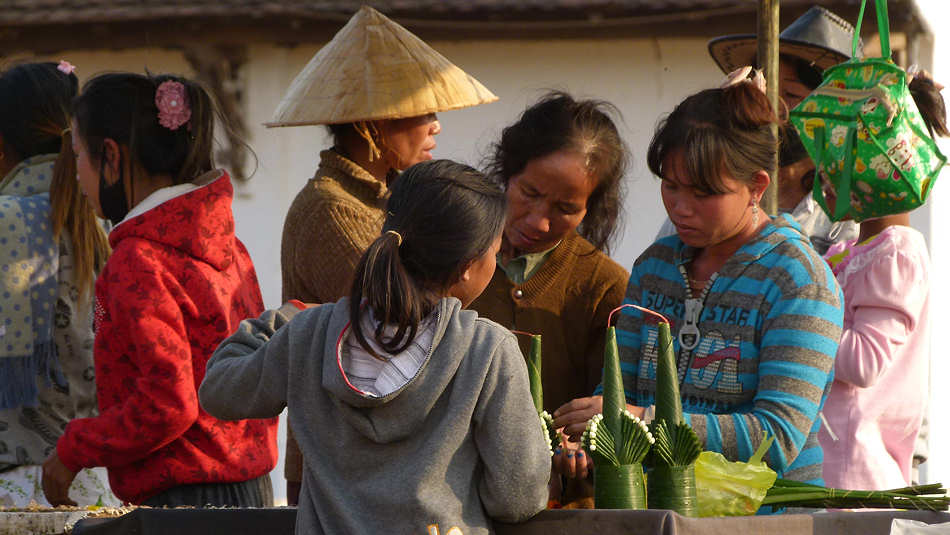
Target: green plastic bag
point(726, 488)
point(869, 143)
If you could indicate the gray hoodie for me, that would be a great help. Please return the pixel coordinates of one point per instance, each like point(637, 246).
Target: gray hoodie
point(458, 444)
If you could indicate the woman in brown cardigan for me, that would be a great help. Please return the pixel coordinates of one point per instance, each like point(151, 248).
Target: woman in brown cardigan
point(377, 87)
point(561, 165)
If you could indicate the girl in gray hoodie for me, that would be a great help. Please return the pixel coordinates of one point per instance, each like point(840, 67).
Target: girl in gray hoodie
point(412, 413)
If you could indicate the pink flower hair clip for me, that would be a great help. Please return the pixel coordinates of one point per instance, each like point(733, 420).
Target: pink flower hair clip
point(172, 102)
point(66, 67)
point(741, 75)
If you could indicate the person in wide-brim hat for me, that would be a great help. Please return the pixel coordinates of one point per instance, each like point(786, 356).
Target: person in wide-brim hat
point(819, 37)
point(377, 87)
point(373, 71)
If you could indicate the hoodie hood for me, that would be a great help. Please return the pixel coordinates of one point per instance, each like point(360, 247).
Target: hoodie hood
point(400, 413)
point(199, 222)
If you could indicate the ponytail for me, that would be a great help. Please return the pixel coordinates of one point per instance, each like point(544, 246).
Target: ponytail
point(926, 94)
point(746, 107)
point(382, 279)
point(71, 211)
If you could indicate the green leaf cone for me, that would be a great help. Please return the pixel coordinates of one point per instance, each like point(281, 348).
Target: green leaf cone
point(614, 401)
point(668, 404)
point(534, 373)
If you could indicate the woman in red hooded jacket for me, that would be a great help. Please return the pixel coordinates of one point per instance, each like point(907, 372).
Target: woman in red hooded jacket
point(177, 283)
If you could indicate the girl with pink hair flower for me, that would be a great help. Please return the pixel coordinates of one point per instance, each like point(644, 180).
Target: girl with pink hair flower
point(177, 283)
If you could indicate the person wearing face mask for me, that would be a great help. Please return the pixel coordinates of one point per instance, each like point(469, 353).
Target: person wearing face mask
point(561, 165)
point(816, 41)
point(377, 88)
point(51, 243)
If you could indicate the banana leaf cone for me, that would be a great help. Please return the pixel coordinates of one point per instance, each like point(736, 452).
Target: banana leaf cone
point(534, 373)
point(614, 400)
point(537, 393)
point(669, 407)
point(618, 472)
point(672, 480)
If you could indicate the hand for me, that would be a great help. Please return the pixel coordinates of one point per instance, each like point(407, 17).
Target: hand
point(573, 415)
point(56, 481)
point(570, 460)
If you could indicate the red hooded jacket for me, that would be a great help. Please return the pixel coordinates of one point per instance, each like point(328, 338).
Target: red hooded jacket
point(178, 282)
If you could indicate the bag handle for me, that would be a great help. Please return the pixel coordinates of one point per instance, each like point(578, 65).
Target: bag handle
point(817, 192)
point(843, 201)
point(843, 187)
point(883, 29)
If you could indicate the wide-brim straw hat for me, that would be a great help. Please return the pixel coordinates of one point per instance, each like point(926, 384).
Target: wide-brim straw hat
point(375, 69)
point(819, 37)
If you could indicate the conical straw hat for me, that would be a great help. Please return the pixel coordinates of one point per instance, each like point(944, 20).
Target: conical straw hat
point(375, 69)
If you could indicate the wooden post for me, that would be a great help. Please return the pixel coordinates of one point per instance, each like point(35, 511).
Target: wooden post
point(767, 32)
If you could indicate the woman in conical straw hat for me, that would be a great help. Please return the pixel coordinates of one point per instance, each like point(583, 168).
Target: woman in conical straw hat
point(377, 87)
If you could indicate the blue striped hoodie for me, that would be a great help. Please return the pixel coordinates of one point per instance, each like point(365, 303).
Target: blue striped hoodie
point(769, 331)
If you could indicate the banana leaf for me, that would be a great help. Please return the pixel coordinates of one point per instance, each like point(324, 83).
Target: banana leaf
point(669, 407)
point(614, 400)
point(534, 373)
point(619, 487)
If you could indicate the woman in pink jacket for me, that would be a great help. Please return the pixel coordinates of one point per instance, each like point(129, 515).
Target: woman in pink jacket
point(880, 392)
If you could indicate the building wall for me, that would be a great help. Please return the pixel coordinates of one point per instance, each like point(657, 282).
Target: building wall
point(643, 78)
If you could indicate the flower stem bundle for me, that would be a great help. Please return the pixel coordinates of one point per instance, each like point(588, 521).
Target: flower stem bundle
point(787, 493)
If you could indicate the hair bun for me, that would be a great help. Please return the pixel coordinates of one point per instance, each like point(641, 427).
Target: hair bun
point(746, 106)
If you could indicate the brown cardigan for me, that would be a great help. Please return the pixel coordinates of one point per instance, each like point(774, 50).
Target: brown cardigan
point(333, 219)
point(567, 302)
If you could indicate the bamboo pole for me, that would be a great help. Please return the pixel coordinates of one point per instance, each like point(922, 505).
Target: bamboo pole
point(767, 32)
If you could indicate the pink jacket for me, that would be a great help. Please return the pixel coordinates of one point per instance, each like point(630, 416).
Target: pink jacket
point(881, 387)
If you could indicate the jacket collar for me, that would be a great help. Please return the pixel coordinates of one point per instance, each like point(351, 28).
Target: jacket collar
point(353, 172)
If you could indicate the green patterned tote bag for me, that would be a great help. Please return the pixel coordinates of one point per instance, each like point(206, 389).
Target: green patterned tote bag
point(869, 143)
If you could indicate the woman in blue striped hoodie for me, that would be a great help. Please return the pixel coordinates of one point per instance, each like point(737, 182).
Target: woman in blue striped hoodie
point(756, 313)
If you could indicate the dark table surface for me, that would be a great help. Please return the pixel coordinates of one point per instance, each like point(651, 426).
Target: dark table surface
point(555, 522)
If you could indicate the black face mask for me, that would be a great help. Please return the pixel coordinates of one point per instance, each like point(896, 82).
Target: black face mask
point(112, 196)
